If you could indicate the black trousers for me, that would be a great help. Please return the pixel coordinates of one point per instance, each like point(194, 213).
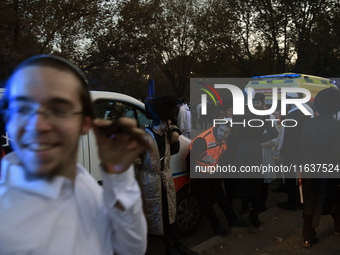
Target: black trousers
point(308, 231)
point(211, 191)
point(170, 230)
point(293, 192)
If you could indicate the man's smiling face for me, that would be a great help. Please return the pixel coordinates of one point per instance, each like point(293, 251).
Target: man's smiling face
point(44, 139)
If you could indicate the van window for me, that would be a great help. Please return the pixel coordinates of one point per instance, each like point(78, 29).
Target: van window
point(288, 81)
point(112, 110)
point(309, 80)
point(142, 120)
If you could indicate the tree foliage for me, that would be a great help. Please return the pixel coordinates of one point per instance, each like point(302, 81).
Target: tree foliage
point(122, 43)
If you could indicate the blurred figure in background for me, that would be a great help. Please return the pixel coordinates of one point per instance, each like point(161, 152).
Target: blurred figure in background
point(193, 110)
point(155, 176)
point(320, 144)
point(184, 118)
point(248, 152)
point(267, 151)
point(289, 153)
point(207, 150)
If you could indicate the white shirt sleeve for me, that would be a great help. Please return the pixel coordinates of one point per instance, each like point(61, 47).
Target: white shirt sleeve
point(130, 229)
point(180, 119)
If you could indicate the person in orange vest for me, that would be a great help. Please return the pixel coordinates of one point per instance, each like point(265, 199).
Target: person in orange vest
point(205, 151)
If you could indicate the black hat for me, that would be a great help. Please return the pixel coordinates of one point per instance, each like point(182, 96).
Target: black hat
point(327, 101)
point(259, 97)
point(160, 108)
point(47, 57)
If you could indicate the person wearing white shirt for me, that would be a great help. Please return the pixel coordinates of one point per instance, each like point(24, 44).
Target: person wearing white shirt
point(184, 118)
point(49, 204)
point(267, 151)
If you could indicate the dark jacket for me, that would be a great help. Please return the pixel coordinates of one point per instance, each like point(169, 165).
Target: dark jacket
point(289, 150)
point(320, 144)
point(248, 151)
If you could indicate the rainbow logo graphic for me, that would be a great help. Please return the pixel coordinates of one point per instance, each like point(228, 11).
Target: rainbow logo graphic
point(206, 89)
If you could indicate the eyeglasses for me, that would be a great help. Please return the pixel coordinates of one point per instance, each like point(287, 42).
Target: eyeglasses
point(54, 115)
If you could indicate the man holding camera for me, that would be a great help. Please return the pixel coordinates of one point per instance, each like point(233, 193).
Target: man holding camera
point(49, 204)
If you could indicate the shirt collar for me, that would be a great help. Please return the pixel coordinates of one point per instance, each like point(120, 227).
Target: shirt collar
point(13, 176)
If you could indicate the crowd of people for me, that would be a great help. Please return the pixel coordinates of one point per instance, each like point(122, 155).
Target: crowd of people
point(314, 140)
point(44, 192)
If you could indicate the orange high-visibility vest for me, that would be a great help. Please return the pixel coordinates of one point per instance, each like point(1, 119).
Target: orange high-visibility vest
point(213, 151)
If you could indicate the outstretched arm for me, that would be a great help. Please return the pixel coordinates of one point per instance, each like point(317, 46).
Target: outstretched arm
point(119, 145)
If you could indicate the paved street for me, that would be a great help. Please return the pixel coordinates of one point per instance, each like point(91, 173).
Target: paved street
point(280, 233)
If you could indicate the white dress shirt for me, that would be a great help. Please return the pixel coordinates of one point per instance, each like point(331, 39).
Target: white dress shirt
point(47, 217)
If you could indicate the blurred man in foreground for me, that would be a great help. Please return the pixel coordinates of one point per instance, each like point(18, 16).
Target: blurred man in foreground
point(49, 204)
